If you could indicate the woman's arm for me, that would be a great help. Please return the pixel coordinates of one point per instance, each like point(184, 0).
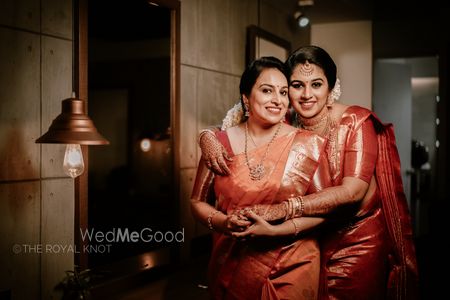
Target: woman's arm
point(207, 214)
point(360, 156)
point(359, 168)
point(327, 201)
point(294, 226)
point(215, 219)
point(319, 204)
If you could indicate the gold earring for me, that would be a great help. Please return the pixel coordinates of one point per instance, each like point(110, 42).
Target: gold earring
point(247, 110)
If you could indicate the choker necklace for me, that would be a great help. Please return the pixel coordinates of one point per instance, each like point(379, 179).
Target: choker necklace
point(323, 119)
point(257, 172)
point(314, 122)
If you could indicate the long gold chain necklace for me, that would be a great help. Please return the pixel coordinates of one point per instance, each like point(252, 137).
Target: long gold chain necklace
point(329, 126)
point(258, 171)
point(253, 141)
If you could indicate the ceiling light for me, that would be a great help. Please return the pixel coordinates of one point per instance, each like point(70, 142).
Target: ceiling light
point(301, 19)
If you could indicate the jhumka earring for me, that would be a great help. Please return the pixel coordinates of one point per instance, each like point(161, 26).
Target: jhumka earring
point(247, 111)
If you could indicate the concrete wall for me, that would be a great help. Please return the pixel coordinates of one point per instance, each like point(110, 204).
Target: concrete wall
point(350, 46)
point(36, 198)
point(213, 35)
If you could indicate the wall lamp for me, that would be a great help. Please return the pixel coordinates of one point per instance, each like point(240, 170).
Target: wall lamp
point(74, 128)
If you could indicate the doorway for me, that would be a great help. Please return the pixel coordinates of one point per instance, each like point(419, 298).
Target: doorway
point(132, 190)
point(406, 93)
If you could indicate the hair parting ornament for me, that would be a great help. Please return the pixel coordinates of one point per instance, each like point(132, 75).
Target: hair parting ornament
point(306, 69)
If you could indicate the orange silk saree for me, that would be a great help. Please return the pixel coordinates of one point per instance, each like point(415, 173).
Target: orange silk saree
point(267, 268)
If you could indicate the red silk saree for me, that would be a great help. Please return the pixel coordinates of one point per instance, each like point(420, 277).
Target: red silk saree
point(371, 254)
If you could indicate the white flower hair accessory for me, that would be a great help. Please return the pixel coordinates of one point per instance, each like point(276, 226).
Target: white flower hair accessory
point(234, 116)
point(335, 93)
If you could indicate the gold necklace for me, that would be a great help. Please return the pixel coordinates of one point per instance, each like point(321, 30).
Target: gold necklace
point(253, 141)
point(315, 122)
point(329, 127)
point(323, 118)
point(257, 172)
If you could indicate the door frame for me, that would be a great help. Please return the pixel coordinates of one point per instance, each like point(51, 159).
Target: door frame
point(80, 86)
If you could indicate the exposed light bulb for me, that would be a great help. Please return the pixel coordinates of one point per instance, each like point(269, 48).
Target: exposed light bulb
point(73, 161)
point(145, 145)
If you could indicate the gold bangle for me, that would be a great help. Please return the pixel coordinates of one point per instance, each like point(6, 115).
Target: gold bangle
point(286, 207)
point(302, 206)
point(291, 208)
point(295, 207)
point(209, 219)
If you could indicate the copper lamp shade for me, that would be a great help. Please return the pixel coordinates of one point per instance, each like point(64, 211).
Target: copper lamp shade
point(72, 126)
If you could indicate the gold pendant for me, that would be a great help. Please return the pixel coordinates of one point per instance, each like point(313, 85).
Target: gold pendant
point(257, 172)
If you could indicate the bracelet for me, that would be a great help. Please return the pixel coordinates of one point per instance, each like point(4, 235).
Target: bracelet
point(203, 132)
point(209, 219)
point(302, 206)
point(289, 209)
point(296, 228)
point(294, 207)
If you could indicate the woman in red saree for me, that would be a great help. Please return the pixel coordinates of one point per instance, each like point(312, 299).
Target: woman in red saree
point(366, 245)
point(272, 161)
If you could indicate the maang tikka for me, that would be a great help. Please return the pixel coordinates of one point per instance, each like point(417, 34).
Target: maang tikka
point(306, 69)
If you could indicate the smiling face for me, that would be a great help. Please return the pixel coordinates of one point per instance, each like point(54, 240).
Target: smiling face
point(308, 90)
point(268, 100)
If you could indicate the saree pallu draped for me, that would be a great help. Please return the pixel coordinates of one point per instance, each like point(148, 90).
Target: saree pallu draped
point(403, 276)
point(269, 268)
point(372, 255)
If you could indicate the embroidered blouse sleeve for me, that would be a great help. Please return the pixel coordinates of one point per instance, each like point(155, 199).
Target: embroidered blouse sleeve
point(203, 189)
point(322, 177)
point(203, 185)
point(361, 152)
